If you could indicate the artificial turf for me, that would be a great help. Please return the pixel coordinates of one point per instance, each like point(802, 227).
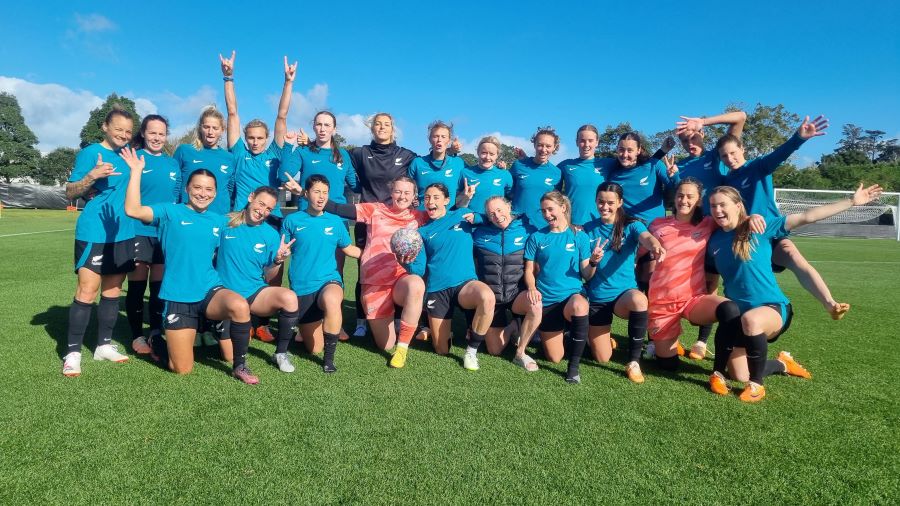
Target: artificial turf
point(434, 432)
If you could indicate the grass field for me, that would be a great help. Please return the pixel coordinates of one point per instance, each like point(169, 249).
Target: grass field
point(435, 433)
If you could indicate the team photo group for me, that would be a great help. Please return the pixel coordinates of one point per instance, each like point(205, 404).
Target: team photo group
point(531, 253)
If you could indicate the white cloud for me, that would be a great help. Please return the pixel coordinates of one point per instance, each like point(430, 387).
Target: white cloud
point(144, 107)
point(91, 23)
point(354, 128)
point(54, 113)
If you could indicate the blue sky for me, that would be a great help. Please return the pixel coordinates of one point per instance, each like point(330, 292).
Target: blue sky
point(502, 67)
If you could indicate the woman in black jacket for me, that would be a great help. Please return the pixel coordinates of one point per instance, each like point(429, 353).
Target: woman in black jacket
point(500, 263)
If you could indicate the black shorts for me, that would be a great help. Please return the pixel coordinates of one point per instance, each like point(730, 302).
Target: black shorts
point(787, 316)
point(553, 318)
point(148, 250)
point(440, 304)
point(190, 315)
point(105, 257)
point(777, 269)
point(500, 319)
point(310, 311)
point(601, 314)
point(254, 295)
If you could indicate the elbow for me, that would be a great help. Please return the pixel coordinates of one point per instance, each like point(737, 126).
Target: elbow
point(741, 115)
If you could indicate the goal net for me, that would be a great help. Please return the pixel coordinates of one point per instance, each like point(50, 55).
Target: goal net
point(877, 219)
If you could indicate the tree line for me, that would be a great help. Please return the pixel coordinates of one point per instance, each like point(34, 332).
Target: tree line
point(861, 155)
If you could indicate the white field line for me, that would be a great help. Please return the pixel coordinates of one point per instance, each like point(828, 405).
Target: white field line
point(41, 232)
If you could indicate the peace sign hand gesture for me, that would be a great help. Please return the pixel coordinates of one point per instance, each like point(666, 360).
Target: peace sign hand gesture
point(671, 168)
point(227, 64)
point(597, 254)
point(469, 189)
point(817, 127)
point(290, 71)
point(284, 250)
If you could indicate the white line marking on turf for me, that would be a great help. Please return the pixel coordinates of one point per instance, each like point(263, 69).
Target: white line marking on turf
point(41, 232)
point(848, 262)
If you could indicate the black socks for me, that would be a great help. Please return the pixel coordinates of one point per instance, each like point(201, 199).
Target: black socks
point(729, 316)
point(286, 323)
point(331, 341)
point(637, 329)
point(578, 332)
point(79, 318)
point(240, 341)
point(134, 306)
point(107, 314)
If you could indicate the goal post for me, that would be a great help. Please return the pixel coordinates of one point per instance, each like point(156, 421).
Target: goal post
point(877, 219)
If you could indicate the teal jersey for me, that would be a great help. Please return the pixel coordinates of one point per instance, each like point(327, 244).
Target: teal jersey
point(644, 188)
point(425, 170)
point(750, 283)
point(189, 241)
point(580, 180)
point(244, 254)
point(558, 256)
point(309, 162)
point(103, 218)
point(754, 179)
point(708, 169)
point(615, 273)
point(252, 171)
point(530, 182)
point(493, 182)
point(157, 185)
point(216, 160)
point(498, 241)
point(313, 253)
point(447, 246)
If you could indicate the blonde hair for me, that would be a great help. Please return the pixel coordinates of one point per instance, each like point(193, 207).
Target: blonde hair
point(256, 123)
point(560, 200)
point(434, 125)
point(238, 218)
point(743, 244)
point(490, 139)
point(208, 111)
point(374, 118)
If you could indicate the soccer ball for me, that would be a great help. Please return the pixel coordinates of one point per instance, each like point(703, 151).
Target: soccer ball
point(406, 242)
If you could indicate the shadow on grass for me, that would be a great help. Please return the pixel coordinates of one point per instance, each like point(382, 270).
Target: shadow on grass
point(55, 321)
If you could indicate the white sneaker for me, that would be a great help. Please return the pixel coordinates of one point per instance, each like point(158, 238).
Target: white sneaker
point(283, 362)
point(470, 362)
point(650, 351)
point(360, 328)
point(72, 364)
point(140, 346)
point(109, 352)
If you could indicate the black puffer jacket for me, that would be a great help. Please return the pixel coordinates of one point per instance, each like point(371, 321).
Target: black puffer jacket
point(500, 258)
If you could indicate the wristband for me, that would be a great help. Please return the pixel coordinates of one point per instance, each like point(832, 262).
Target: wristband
point(276, 262)
point(227, 78)
point(593, 264)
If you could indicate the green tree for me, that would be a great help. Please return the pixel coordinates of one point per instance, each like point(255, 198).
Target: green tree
point(55, 167)
point(18, 156)
point(767, 127)
point(172, 145)
point(872, 143)
point(92, 131)
point(507, 155)
point(469, 159)
point(609, 138)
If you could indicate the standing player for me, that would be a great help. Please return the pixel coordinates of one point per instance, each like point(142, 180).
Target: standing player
point(204, 153)
point(581, 176)
point(104, 240)
point(612, 287)
point(157, 186)
point(486, 180)
point(500, 263)
point(194, 295)
point(384, 283)
point(450, 274)
point(251, 253)
point(753, 179)
point(745, 265)
point(556, 261)
point(534, 177)
point(316, 280)
point(437, 166)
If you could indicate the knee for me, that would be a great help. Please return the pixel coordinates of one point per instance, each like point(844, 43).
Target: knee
point(727, 310)
point(555, 356)
point(288, 302)
point(580, 307)
point(86, 294)
point(238, 310)
point(486, 298)
point(182, 369)
point(750, 326)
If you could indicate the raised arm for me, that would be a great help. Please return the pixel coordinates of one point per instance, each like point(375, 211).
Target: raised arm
point(234, 121)
point(133, 207)
point(652, 244)
point(346, 211)
point(284, 105)
point(861, 197)
point(735, 121)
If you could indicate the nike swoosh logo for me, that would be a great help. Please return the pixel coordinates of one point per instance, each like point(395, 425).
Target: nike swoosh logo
point(146, 171)
point(187, 222)
point(316, 161)
point(300, 228)
point(230, 236)
point(196, 161)
point(542, 246)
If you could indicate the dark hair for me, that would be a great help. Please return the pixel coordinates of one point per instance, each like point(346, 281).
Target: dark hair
point(138, 141)
point(725, 139)
point(336, 157)
point(434, 125)
point(267, 190)
point(118, 110)
point(201, 172)
point(621, 219)
point(642, 146)
point(316, 178)
point(547, 130)
point(697, 215)
point(441, 187)
point(405, 179)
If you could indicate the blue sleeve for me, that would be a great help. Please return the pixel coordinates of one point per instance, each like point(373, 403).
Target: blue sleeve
point(160, 212)
point(411, 171)
point(767, 164)
point(352, 177)
point(343, 236)
point(583, 243)
point(286, 226)
point(418, 264)
point(239, 148)
point(775, 227)
point(274, 240)
point(662, 176)
point(290, 163)
point(530, 247)
point(179, 172)
point(85, 161)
